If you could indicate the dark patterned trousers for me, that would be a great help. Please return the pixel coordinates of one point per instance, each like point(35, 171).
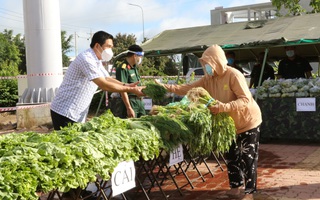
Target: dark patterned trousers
point(242, 160)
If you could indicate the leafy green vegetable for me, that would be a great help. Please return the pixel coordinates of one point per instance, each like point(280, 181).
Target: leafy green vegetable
point(223, 127)
point(72, 157)
point(77, 154)
point(172, 131)
point(155, 91)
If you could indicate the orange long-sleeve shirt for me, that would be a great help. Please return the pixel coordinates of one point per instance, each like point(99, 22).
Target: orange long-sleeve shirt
point(228, 86)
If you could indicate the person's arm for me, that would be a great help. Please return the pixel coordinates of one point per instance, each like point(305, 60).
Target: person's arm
point(243, 95)
point(271, 72)
point(280, 70)
point(183, 88)
point(125, 99)
point(308, 68)
point(252, 76)
point(308, 74)
point(113, 85)
point(251, 82)
point(241, 69)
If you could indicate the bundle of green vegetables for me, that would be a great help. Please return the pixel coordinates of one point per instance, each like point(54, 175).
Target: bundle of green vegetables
point(223, 127)
point(154, 91)
point(196, 119)
point(172, 131)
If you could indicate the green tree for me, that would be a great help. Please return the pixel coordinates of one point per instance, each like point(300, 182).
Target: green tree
point(122, 42)
point(18, 41)
point(170, 68)
point(9, 52)
point(151, 66)
point(66, 47)
point(315, 4)
point(9, 62)
point(8, 87)
point(294, 7)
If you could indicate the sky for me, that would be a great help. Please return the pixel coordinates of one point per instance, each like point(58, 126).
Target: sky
point(81, 18)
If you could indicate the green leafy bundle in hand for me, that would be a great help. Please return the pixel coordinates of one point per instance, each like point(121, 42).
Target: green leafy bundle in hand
point(154, 91)
point(223, 127)
point(196, 119)
point(199, 95)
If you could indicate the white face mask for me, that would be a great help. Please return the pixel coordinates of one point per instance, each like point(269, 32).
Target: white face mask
point(107, 54)
point(290, 53)
point(139, 61)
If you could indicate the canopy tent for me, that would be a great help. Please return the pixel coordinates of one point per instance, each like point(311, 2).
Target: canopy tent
point(247, 39)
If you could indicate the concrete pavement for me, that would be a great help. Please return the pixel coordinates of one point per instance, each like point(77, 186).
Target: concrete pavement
point(285, 172)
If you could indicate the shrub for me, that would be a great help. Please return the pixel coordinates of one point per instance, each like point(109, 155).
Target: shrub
point(8, 87)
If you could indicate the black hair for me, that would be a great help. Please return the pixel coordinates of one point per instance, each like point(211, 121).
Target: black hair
point(100, 37)
point(231, 53)
point(134, 48)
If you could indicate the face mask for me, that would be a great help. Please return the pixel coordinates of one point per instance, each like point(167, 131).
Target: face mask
point(107, 54)
point(230, 61)
point(139, 61)
point(290, 53)
point(208, 69)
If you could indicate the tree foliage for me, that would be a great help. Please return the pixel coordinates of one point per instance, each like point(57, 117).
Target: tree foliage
point(9, 52)
point(315, 4)
point(122, 42)
point(66, 47)
point(10, 59)
point(151, 66)
point(18, 41)
point(8, 87)
point(293, 6)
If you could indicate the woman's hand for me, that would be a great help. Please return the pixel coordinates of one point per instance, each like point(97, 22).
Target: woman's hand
point(157, 81)
point(214, 109)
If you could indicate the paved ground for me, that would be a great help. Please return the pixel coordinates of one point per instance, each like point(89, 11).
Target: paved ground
point(286, 172)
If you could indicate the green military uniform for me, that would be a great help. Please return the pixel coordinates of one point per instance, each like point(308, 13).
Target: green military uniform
point(129, 74)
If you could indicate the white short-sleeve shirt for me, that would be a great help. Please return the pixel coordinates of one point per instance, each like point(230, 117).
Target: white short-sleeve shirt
point(77, 88)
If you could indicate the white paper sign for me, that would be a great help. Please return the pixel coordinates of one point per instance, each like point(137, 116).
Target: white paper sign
point(176, 155)
point(306, 104)
point(147, 104)
point(123, 178)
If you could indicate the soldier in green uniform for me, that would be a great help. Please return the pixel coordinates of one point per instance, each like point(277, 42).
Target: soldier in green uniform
point(127, 72)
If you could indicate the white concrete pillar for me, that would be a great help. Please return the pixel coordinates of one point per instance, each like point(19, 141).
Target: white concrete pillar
point(43, 50)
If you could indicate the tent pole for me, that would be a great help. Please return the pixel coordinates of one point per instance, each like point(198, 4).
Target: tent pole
point(178, 77)
point(318, 66)
point(266, 51)
point(263, 65)
point(318, 74)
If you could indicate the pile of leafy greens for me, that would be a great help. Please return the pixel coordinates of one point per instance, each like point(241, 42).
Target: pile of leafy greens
point(223, 130)
point(32, 163)
point(72, 157)
point(209, 133)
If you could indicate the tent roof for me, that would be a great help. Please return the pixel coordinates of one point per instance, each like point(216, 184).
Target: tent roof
point(247, 39)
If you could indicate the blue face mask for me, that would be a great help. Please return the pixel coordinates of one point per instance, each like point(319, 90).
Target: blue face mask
point(230, 61)
point(208, 69)
point(290, 53)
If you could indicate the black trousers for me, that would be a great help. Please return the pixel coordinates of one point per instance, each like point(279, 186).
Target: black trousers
point(59, 121)
point(242, 160)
